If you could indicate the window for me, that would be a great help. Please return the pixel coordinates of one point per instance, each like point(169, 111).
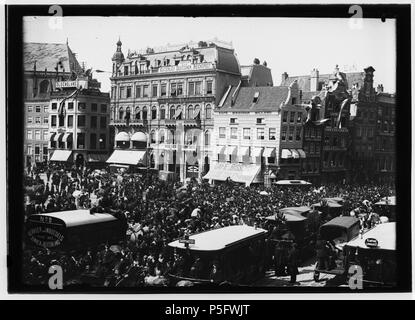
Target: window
point(128, 92)
point(260, 133)
point(54, 106)
point(81, 121)
point(298, 133)
point(37, 134)
point(179, 89)
point(113, 92)
point(162, 113)
point(70, 121)
point(154, 113)
point(93, 140)
point(163, 92)
point(144, 113)
point(234, 133)
point(93, 122)
point(29, 135)
point(37, 149)
point(154, 90)
point(189, 112)
point(121, 114)
point(94, 107)
point(81, 106)
point(272, 133)
point(37, 120)
point(259, 120)
point(53, 120)
point(122, 92)
point(208, 111)
point(103, 108)
point(145, 91)
point(103, 122)
point(61, 121)
point(45, 135)
point(284, 116)
point(222, 132)
point(138, 92)
point(29, 109)
point(45, 150)
point(290, 133)
point(198, 88)
point(45, 109)
point(191, 88)
point(161, 136)
point(209, 87)
point(44, 86)
point(293, 100)
point(292, 115)
point(256, 96)
point(29, 149)
point(232, 120)
point(299, 117)
point(126, 70)
point(102, 141)
point(70, 105)
point(38, 109)
point(173, 89)
point(284, 133)
point(247, 133)
point(80, 140)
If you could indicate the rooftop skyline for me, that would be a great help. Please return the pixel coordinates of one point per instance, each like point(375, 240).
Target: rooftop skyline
point(291, 45)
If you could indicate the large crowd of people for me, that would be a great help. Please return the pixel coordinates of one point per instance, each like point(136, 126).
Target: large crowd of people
point(158, 212)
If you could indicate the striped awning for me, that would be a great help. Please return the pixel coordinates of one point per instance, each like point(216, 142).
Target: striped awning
point(243, 151)
point(269, 152)
point(286, 154)
point(58, 137)
point(295, 153)
point(52, 136)
point(301, 153)
point(122, 136)
point(67, 137)
point(231, 150)
point(61, 155)
point(196, 113)
point(178, 113)
point(257, 152)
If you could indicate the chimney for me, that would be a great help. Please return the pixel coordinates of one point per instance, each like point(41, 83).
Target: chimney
point(380, 88)
point(314, 80)
point(284, 77)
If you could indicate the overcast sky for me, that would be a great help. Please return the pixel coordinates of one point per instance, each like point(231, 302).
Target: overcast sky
point(287, 44)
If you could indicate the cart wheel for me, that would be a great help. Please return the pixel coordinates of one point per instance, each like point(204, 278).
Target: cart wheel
point(316, 276)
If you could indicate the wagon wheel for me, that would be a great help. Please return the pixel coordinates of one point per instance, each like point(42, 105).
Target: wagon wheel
point(316, 276)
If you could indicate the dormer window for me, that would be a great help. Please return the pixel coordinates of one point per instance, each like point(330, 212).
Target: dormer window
point(126, 70)
point(293, 100)
point(256, 96)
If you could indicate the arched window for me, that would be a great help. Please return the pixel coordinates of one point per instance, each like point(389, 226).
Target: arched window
point(153, 136)
point(172, 111)
point(196, 114)
point(121, 113)
point(44, 86)
point(162, 136)
point(154, 113)
point(208, 111)
point(144, 113)
point(137, 113)
point(127, 113)
point(162, 113)
point(189, 114)
point(207, 138)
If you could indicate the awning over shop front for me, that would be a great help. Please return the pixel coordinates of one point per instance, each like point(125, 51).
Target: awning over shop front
point(58, 137)
point(295, 153)
point(257, 152)
point(286, 154)
point(237, 172)
point(122, 136)
point(231, 150)
point(301, 153)
point(52, 136)
point(131, 157)
point(243, 151)
point(269, 152)
point(67, 137)
point(61, 155)
point(220, 149)
point(97, 157)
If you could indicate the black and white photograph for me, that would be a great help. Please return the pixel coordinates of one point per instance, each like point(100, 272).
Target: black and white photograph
point(220, 153)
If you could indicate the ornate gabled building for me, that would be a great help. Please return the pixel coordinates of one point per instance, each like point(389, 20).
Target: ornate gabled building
point(162, 102)
point(44, 65)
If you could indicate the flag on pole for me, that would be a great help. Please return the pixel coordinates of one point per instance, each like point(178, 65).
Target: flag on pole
point(338, 123)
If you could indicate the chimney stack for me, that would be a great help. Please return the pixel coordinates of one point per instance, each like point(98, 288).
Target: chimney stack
point(380, 88)
point(314, 80)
